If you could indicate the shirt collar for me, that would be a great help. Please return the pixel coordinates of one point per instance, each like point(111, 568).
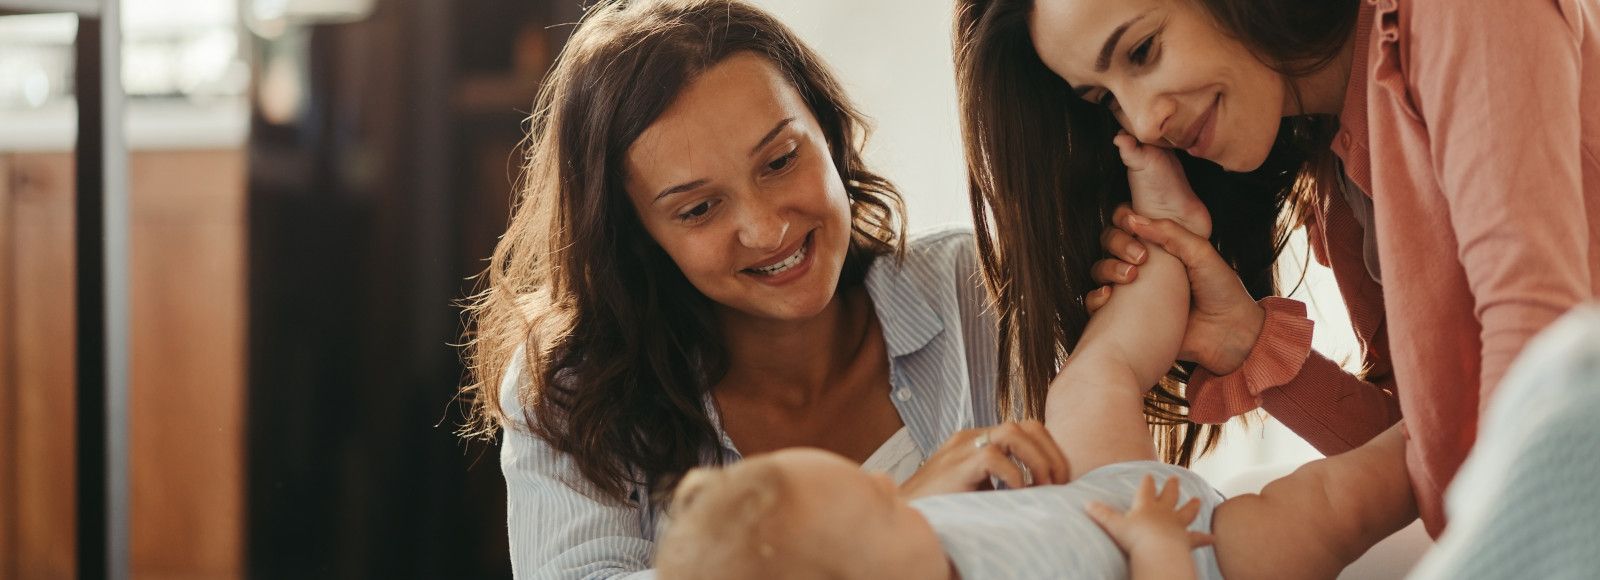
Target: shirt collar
point(909, 322)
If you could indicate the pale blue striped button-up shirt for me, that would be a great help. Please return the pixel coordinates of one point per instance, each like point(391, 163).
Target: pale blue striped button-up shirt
point(942, 372)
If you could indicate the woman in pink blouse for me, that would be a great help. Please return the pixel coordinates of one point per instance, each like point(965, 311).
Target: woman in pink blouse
point(1441, 153)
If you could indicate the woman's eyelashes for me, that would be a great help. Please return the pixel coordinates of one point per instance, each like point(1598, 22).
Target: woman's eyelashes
point(785, 161)
point(697, 212)
point(1141, 55)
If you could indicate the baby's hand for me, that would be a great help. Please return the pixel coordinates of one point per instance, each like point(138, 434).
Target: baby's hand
point(1160, 189)
point(1153, 523)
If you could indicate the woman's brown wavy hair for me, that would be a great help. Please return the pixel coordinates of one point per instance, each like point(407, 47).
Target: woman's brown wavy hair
point(1044, 179)
point(621, 348)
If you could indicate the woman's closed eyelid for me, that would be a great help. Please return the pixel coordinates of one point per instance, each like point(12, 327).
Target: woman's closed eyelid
point(1108, 99)
point(1144, 52)
point(688, 215)
point(790, 153)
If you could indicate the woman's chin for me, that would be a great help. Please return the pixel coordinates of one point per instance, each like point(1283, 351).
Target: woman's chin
point(1242, 163)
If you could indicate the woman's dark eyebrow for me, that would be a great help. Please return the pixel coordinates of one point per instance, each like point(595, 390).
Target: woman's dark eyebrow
point(1104, 62)
point(680, 188)
point(773, 134)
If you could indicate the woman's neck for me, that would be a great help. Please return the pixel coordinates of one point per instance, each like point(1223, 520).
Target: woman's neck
point(796, 360)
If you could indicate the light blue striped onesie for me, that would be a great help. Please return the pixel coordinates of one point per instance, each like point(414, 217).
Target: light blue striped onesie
point(1043, 532)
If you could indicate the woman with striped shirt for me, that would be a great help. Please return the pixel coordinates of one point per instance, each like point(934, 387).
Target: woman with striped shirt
point(702, 268)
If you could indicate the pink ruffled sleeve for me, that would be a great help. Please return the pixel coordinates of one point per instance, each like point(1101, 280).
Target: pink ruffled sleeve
point(1316, 398)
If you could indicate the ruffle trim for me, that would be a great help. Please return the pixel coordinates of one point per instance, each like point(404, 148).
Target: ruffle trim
point(1276, 359)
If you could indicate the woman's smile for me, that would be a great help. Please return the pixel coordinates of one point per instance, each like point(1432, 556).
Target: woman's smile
point(1203, 134)
point(785, 266)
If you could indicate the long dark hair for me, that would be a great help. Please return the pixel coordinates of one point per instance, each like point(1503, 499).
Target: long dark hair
point(621, 349)
point(1044, 178)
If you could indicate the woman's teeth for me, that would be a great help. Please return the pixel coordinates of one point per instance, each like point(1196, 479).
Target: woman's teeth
point(785, 265)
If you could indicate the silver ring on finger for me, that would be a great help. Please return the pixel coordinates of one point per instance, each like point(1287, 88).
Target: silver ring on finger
point(982, 440)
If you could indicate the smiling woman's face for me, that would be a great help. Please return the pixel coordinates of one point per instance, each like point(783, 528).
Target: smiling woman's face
point(736, 183)
point(1169, 74)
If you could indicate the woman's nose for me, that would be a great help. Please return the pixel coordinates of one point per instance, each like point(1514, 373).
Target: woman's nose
point(1148, 119)
point(762, 227)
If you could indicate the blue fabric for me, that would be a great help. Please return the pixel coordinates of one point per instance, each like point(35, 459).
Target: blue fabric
point(1523, 504)
point(1044, 532)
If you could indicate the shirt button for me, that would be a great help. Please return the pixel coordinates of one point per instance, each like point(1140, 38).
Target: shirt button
point(903, 394)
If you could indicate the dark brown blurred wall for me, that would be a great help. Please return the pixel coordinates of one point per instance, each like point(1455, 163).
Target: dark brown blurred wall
point(368, 211)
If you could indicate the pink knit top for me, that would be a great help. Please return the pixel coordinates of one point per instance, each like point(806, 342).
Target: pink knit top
point(1473, 126)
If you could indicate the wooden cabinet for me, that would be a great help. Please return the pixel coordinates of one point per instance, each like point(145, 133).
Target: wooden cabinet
point(36, 384)
point(188, 364)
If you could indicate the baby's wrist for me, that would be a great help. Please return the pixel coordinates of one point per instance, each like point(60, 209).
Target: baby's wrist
point(1160, 541)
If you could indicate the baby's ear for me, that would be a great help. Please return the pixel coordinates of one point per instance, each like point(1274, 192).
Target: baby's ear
point(688, 489)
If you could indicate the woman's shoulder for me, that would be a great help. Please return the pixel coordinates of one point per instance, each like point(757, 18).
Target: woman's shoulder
point(941, 240)
point(512, 383)
point(935, 261)
point(1432, 7)
point(938, 253)
point(517, 395)
point(937, 277)
point(1411, 21)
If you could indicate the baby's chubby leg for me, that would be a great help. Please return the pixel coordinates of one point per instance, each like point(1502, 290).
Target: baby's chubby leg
point(1094, 408)
point(1317, 520)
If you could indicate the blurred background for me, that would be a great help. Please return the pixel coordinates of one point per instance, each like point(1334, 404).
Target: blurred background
point(313, 182)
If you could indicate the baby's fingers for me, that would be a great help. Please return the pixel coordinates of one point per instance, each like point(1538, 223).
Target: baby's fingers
point(1169, 493)
point(1190, 509)
point(1146, 493)
point(1201, 539)
point(1103, 515)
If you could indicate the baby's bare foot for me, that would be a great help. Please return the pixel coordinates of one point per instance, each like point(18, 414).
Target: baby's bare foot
point(1160, 189)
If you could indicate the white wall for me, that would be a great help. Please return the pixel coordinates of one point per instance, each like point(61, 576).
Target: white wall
point(893, 57)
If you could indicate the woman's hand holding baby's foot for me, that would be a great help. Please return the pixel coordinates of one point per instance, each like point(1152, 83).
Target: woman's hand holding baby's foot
point(1160, 189)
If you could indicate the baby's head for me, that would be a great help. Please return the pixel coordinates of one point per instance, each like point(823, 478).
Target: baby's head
point(796, 513)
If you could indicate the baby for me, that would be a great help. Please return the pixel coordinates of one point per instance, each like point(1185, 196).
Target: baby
point(806, 513)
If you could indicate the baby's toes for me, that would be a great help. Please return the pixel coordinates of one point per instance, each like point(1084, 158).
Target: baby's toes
point(1136, 156)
